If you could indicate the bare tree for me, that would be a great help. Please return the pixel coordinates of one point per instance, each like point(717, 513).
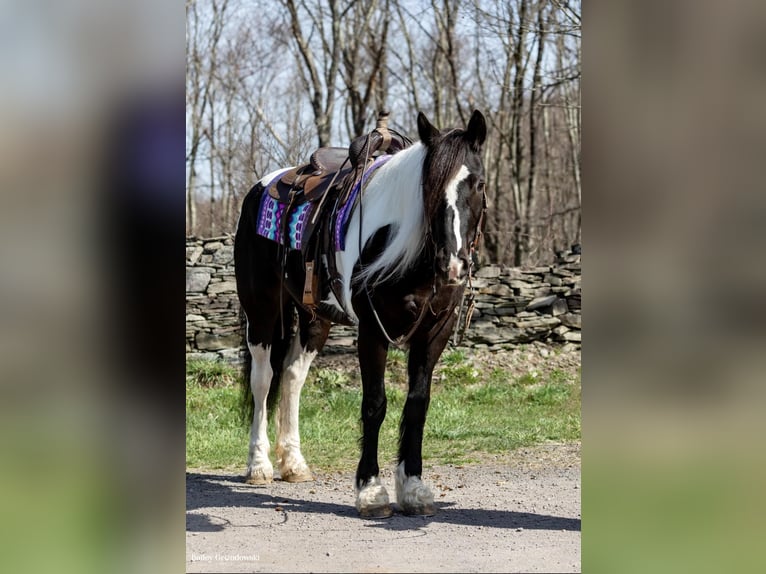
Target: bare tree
point(364, 48)
point(251, 109)
point(533, 200)
point(319, 78)
point(531, 197)
point(204, 34)
point(430, 67)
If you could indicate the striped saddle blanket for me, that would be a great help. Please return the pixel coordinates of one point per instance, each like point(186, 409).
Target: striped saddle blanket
point(294, 225)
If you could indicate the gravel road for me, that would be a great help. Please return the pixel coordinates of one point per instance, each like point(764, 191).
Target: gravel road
point(516, 513)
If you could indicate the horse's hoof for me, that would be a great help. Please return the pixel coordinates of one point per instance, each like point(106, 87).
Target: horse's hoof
point(420, 510)
point(297, 476)
point(414, 497)
point(372, 500)
point(257, 480)
point(384, 511)
point(259, 477)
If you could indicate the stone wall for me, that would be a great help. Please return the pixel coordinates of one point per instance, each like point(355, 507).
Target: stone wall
point(513, 305)
point(520, 305)
point(212, 307)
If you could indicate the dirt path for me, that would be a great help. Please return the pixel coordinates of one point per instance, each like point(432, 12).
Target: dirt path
point(520, 513)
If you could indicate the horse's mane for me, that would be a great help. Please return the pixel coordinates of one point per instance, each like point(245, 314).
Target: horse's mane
point(394, 197)
point(398, 198)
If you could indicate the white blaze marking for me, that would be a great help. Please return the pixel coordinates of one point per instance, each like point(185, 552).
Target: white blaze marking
point(451, 193)
point(455, 267)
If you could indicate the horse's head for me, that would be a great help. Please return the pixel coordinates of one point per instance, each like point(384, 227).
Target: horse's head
point(453, 192)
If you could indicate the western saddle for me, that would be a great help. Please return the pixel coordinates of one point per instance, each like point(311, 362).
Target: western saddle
point(311, 181)
point(331, 167)
point(327, 179)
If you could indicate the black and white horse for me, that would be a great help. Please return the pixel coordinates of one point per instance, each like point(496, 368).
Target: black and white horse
point(407, 255)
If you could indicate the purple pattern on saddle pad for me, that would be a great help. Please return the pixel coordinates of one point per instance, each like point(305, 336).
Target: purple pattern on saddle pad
point(297, 223)
point(344, 213)
point(270, 218)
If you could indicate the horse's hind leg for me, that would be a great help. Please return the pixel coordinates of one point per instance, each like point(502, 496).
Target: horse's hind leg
point(259, 468)
point(305, 345)
point(267, 348)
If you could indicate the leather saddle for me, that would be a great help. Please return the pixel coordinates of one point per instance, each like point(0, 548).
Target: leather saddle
point(327, 166)
point(326, 181)
point(337, 167)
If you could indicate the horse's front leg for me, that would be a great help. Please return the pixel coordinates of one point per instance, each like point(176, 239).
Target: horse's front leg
point(413, 496)
point(371, 497)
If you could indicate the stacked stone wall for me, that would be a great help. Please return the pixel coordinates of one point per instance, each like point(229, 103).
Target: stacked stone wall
point(513, 305)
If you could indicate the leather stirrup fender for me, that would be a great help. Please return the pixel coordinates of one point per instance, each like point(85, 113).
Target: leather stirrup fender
point(308, 285)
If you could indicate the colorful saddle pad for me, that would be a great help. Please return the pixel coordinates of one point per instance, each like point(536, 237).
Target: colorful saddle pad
point(273, 215)
point(343, 215)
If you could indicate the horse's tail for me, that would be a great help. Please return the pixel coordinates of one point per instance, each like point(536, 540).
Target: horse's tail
point(280, 343)
point(247, 408)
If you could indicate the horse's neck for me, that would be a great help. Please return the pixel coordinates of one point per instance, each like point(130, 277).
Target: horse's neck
point(393, 194)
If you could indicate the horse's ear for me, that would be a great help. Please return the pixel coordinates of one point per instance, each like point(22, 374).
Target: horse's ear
point(426, 130)
point(476, 132)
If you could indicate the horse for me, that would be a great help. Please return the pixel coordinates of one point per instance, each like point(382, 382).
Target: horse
point(400, 278)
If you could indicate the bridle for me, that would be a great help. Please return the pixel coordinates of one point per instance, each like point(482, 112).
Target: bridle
point(427, 305)
point(459, 332)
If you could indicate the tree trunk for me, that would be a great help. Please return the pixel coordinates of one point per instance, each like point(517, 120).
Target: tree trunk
point(531, 199)
point(517, 149)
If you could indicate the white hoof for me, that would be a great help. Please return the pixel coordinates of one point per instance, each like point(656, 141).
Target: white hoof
point(372, 500)
point(413, 496)
point(297, 473)
point(292, 466)
point(259, 474)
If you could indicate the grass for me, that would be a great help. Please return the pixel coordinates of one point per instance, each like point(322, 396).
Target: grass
point(471, 413)
point(211, 373)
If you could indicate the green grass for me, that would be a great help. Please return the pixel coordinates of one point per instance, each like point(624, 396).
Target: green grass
point(215, 436)
point(471, 413)
point(211, 373)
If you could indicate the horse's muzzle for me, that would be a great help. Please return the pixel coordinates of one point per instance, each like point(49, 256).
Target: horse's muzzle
point(453, 267)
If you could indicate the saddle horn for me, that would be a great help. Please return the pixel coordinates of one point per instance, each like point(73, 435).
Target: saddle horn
point(381, 139)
